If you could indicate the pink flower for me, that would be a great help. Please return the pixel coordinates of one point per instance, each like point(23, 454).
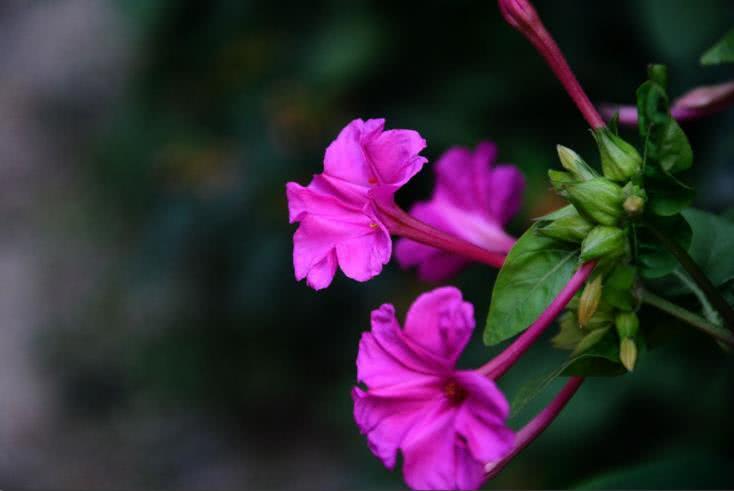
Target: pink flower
point(338, 223)
point(447, 423)
point(473, 199)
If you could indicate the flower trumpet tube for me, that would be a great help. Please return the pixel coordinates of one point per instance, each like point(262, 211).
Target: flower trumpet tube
point(498, 365)
point(473, 199)
point(521, 15)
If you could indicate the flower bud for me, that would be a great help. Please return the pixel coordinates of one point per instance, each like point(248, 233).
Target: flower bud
point(599, 199)
point(589, 301)
point(575, 164)
point(619, 160)
point(628, 353)
point(604, 241)
point(571, 228)
point(559, 180)
point(589, 340)
point(627, 324)
point(634, 203)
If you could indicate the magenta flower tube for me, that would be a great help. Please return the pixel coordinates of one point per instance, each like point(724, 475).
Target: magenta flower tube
point(537, 425)
point(498, 365)
point(521, 15)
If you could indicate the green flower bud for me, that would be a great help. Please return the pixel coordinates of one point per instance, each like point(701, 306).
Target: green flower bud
point(575, 164)
point(619, 160)
point(599, 199)
point(559, 180)
point(589, 301)
point(571, 227)
point(634, 206)
point(634, 203)
point(627, 324)
point(604, 241)
point(628, 353)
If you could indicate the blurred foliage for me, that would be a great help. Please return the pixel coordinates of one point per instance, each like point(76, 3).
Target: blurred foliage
point(231, 99)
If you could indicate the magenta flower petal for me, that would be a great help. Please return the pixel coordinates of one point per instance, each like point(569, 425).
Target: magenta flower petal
point(447, 423)
point(364, 154)
point(441, 322)
point(481, 420)
point(338, 224)
point(473, 200)
point(385, 421)
point(429, 450)
point(386, 357)
point(506, 184)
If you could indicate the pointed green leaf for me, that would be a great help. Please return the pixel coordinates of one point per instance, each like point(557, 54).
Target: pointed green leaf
point(721, 52)
point(535, 271)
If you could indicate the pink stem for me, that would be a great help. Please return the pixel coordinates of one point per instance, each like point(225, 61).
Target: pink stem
point(401, 223)
point(537, 425)
point(497, 366)
point(521, 15)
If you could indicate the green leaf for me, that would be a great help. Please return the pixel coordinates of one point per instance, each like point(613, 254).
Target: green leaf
point(674, 153)
point(535, 271)
point(654, 260)
point(721, 52)
point(666, 195)
point(712, 244)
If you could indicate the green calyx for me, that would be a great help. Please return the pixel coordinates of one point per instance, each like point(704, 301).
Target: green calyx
point(604, 241)
point(620, 161)
point(599, 199)
point(628, 324)
point(567, 225)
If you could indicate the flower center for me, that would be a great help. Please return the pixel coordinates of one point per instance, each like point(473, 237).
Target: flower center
point(454, 392)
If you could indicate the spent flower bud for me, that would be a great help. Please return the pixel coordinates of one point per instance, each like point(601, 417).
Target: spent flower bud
point(573, 163)
point(599, 199)
point(589, 301)
point(628, 353)
point(604, 241)
point(627, 324)
point(619, 160)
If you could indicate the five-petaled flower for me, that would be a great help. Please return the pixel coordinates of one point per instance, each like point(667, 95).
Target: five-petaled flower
point(447, 423)
point(473, 199)
point(338, 222)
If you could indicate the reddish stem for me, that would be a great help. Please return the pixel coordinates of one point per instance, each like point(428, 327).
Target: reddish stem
point(497, 366)
point(537, 425)
point(521, 15)
point(400, 223)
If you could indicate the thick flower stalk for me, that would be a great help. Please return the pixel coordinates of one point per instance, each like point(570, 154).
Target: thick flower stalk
point(537, 425)
point(447, 423)
point(521, 15)
point(473, 199)
point(347, 213)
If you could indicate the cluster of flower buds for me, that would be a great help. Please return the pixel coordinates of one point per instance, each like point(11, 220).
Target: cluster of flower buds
point(600, 204)
point(606, 304)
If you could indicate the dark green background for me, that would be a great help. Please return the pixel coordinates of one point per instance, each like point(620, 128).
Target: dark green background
point(228, 100)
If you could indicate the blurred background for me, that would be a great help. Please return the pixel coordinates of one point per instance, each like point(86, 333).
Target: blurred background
point(151, 332)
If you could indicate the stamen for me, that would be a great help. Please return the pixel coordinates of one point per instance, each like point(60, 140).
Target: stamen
point(454, 392)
